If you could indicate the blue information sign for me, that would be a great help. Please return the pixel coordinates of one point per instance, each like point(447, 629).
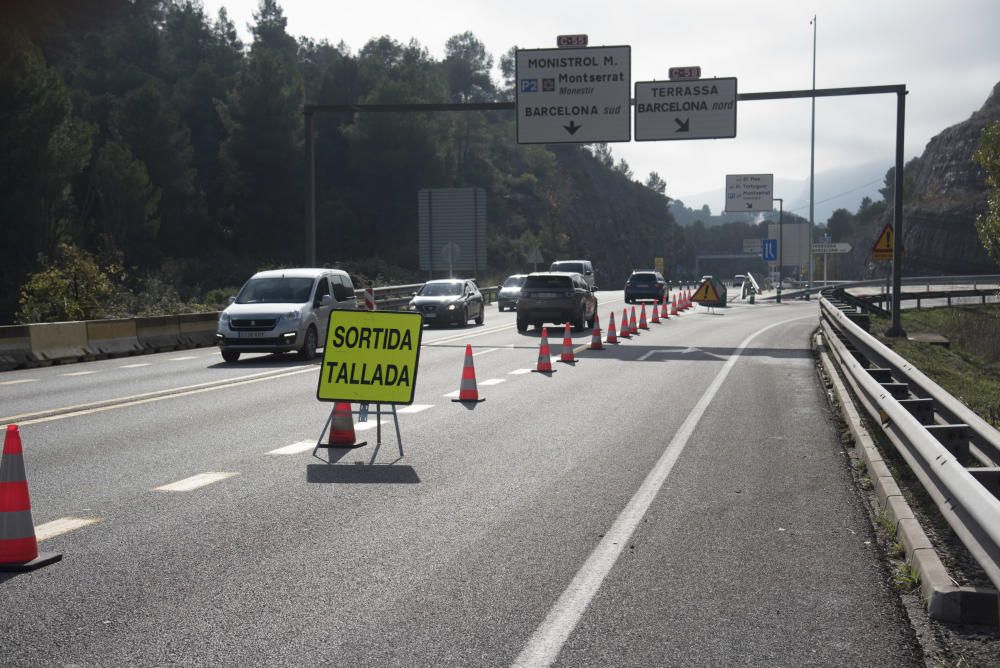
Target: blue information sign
point(769, 250)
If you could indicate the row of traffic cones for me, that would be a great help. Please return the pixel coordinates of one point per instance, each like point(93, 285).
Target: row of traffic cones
point(342, 425)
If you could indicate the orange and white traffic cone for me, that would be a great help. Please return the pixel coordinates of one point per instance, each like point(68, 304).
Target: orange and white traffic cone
point(467, 390)
point(544, 357)
point(567, 348)
point(673, 307)
point(642, 319)
point(665, 309)
point(656, 314)
point(626, 332)
point(632, 327)
point(18, 544)
point(612, 334)
point(595, 336)
point(342, 427)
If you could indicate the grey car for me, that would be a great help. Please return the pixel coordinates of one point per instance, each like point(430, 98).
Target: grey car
point(556, 297)
point(449, 300)
point(510, 291)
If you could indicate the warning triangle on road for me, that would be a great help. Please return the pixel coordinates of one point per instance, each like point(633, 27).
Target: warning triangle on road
point(882, 250)
point(705, 293)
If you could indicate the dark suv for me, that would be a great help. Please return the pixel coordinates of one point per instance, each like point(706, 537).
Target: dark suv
point(645, 285)
point(556, 297)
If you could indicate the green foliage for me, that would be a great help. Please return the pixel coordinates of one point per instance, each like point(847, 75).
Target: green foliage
point(988, 222)
point(70, 287)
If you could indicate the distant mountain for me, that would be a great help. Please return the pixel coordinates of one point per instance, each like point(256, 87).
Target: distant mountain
point(841, 188)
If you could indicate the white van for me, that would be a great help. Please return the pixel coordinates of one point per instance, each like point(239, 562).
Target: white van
point(283, 310)
point(582, 267)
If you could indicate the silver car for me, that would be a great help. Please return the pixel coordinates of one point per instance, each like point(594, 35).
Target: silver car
point(283, 310)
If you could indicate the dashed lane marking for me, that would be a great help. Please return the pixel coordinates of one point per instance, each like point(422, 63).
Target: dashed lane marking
point(181, 359)
point(294, 448)
point(19, 381)
point(483, 352)
point(63, 525)
point(493, 381)
point(195, 481)
point(518, 372)
point(135, 366)
point(414, 408)
point(78, 373)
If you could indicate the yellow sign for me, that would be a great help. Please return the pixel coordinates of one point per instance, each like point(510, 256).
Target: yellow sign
point(705, 293)
point(370, 356)
point(658, 264)
point(882, 250)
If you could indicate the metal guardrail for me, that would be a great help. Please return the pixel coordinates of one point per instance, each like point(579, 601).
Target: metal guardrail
point(396, 297)
point(953, 452)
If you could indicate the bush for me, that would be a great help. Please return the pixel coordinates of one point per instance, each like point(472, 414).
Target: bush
point(71, 286)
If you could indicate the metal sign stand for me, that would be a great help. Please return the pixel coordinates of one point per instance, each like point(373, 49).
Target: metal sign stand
point(362, 414)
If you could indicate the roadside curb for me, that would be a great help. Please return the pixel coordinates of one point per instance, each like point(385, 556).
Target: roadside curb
point(945, 600)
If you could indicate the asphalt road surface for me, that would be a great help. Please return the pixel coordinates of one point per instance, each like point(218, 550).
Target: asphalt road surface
point(679, 499)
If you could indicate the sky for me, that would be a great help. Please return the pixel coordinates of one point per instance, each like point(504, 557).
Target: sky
point(946, 53)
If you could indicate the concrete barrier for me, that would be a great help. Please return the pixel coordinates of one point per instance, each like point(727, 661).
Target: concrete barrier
point(197, 330)
point(158, 333)
point(112, 338)
point(59, 341)
point(15, 347)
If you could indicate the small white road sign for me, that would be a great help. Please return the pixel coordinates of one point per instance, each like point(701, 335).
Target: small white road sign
point(695, 109)
point(749, 193)
point(574, 95)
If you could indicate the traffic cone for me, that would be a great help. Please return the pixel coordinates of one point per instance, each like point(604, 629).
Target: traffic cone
point(673, 307)
point(665, 308)
point(626, 332)
point(656, 314)
point(612, 335)
point(18, 545)
point(595, 336)
point(642, 319)
point(342, 427)
point(567, 348)
point(632, 327)
point(544, 358)
point(467, 389)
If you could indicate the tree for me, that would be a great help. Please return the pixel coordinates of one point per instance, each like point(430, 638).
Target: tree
point(70, 287)
point(623, 168)
point(468, 66)
point(656, 183)
point(603, 154)
point(840, 223)
point(988, 222)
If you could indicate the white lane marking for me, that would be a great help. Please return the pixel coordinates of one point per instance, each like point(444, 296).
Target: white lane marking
point(63, 525)
point(371, 424)
point(548, 639)
point(150, 397)
point(518, 372)
point(413, 408)
point(493, 381)
point(18, 382)
point(452, 395)
point(651, 353)
point(483, 352)
point(294, 448)
point(78, 373)
point(181, 359)
point(135, 366)
point(194, 482)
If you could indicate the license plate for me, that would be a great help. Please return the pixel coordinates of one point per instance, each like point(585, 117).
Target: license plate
point(251, 335)
point(548, 295)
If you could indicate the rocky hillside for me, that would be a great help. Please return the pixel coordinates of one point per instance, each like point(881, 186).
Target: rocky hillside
point(948, 192)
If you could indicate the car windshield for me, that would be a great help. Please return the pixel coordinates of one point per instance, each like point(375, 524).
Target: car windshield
point(440, 289)
point(557, 282)
point(514, 282)
point(568, 266)
point(276, 290)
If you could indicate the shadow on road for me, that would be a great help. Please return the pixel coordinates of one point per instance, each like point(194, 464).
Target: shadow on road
point(362, 473)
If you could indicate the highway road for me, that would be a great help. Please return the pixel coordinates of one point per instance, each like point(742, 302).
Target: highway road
point(680, 499)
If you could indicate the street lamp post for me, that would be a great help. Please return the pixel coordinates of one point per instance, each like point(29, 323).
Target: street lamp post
point(781, 246)
point(812, 160)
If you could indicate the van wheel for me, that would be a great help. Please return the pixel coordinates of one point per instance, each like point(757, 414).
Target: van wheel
point(579, 322)
point(308, 349)
point(482, 315)
point(522, 325)
point(230, 355)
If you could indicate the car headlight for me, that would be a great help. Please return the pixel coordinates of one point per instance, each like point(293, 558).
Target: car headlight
point(413, 307)
point(224, 318)
point(451, 307)
point(293, 316)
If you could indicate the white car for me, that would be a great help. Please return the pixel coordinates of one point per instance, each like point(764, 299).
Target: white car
point(283, 310)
